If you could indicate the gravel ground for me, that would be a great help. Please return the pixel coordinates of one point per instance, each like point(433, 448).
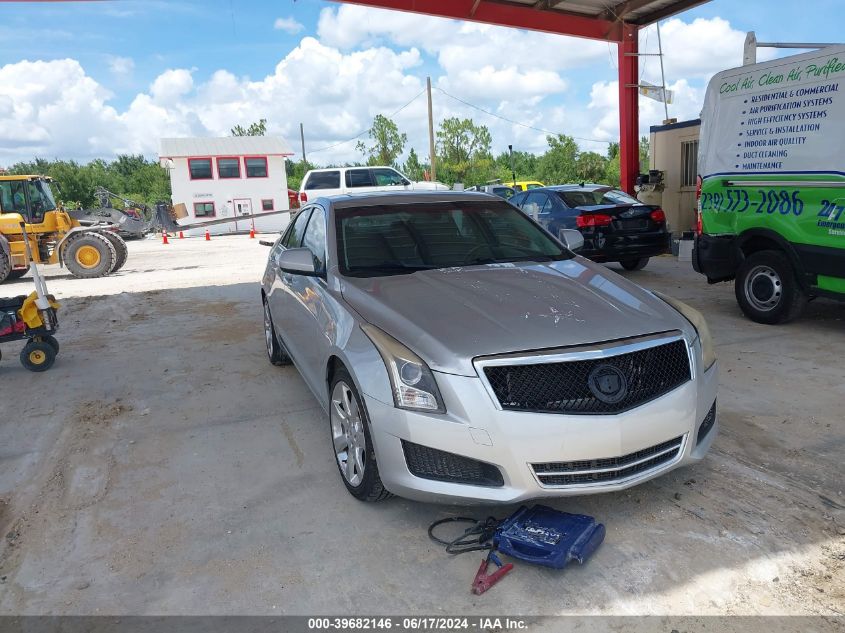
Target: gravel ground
point(164, 467)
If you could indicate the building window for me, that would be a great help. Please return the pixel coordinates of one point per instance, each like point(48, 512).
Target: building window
point(256, 167)
point(200, 168)
point(229, 167)
point(267, 205)
point(689, 163)
point(204, 210)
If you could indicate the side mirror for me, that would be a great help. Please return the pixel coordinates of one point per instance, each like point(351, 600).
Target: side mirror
point(266, 242)
point(406, 182)
point(572, 239)
point(298, 261)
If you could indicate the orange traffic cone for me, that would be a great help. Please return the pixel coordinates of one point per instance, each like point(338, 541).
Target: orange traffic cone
point(164, 238)
point(207, 236)
point(252, 234)
point(181, 235)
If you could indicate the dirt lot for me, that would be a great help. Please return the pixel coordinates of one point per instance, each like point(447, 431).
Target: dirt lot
point(164, 467)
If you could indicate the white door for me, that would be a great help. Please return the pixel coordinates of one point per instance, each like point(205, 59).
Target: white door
point(243, 206)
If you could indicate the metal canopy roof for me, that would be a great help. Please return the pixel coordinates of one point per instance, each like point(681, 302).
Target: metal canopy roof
point(639, 12)
point(594, 19)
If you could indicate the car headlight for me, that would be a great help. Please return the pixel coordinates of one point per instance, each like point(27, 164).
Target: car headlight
point(708, 354)
point(411, 380)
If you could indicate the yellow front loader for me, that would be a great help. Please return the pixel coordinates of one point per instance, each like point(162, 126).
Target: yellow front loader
point(54, 237)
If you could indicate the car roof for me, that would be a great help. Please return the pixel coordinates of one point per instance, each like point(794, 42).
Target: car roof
point(351, 167)
point(579, 187)
point(345, 201)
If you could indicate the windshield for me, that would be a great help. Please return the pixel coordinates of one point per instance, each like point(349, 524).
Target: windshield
point(40, 197)
point(397, 239)
point(591, 197)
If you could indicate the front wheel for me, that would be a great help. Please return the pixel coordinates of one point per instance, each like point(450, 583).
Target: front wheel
point(767, 288)
point(351, 440)
point(38, 356)
point(90, 255)
point(634, 264)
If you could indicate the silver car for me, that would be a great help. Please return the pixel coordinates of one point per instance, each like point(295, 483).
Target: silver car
point(465, 355)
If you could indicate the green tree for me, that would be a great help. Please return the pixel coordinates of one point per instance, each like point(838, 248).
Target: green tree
point(463, 152)
point(387, 143)
point(296, 171)
point(559, 164)
point(413, 168)
point(254, 129)
point(525, 164)
point(644, 154)
point(591, 167)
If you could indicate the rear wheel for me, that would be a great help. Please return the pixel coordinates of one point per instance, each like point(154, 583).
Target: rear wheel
point(767, 288)
point(38, 356)
point(88, 255)
point(120, 248)
point(5, 266)
point(634, 264)
point(52, 342)
point(351, 440)
point(17, 274)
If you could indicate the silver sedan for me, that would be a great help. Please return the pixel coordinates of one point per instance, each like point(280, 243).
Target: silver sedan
point(465, 355)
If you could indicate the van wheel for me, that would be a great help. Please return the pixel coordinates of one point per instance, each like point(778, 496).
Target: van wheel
point(634, 264)
point(767, 288)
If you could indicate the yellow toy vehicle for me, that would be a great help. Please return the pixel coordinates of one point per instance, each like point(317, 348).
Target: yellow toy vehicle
point(32, 318)
point(26, 202)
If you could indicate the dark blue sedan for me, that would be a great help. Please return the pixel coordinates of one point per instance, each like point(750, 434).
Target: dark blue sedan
point(616, 227)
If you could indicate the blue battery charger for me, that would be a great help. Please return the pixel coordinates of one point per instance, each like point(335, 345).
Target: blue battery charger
point(548, 537)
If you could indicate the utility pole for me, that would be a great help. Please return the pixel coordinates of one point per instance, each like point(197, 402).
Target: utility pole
point(513, 172)
point(302, 138)
point(431, 131)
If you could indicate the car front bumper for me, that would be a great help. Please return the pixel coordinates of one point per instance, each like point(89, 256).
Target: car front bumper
point(474, 427)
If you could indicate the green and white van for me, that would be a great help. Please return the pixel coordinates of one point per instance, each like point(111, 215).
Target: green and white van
point(771, 208)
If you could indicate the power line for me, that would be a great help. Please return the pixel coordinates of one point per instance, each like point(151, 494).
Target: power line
point(525, 125)
point(360, 134)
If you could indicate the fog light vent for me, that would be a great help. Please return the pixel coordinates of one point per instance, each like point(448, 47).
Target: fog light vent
point(706, 424)
point(430, 463)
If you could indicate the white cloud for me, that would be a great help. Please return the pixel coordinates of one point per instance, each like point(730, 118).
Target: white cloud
point(121, 66)
point(288, 25)
point(364, 62)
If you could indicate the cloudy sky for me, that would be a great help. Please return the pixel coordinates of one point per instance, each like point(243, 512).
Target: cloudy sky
point(87, 80)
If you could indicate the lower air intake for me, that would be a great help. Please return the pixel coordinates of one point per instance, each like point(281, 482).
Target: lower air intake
point(430, 463)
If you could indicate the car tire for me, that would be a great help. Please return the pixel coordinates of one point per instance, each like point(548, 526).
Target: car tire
point(276, 352)
point(767, 288)
point(634, 264)
point(349, 426)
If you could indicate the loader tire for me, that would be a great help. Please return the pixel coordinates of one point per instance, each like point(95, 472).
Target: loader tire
point(5, 266)
point(89, 254)
point(120, 248)
point(17, 274)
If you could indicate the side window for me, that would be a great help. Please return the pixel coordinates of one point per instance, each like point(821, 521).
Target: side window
point(546, 204)
point(323, 180)
point(12, 196)
point(315, 238)
point(293, 238)
point(518, 200)
point(533, 203)
point(387, 177)
point(359, 178)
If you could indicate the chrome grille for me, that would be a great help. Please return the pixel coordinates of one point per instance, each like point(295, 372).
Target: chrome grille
point(563, 387)
point(608, 470)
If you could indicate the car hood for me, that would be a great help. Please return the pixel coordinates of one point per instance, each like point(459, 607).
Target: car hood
point(452, 315)
point(425, 185)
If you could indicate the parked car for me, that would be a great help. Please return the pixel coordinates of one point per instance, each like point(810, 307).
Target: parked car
point(503, 191)
point(616, 227)
point(525, 185)
point(340, 180)
point(462, 353)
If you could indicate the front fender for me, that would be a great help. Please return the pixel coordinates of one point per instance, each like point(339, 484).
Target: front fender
point(357, 352)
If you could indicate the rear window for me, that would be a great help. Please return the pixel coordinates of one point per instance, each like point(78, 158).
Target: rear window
point(323, 180)
point(588, 198)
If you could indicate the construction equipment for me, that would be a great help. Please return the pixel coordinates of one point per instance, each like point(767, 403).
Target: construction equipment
point(32, 318)
point(30, 218)
point(134, 220)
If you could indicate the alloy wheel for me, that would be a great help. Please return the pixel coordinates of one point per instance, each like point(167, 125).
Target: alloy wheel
point(350, 444)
